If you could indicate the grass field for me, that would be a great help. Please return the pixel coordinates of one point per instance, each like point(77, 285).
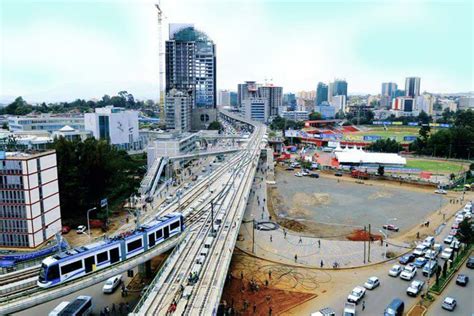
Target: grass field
point(394, 131)
point(435, 166)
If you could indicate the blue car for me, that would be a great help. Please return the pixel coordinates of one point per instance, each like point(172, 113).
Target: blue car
point(407, 258)
point(420, 262)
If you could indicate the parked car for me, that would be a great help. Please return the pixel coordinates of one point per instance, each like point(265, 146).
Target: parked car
point(441, 191)
point(395, 270)
point(462, 279)
point(395, 308)
point(356, 295)
point(314, 175)
point(304, 173)
point(338, 174)
point(420, 262)
point(65, 230)
point(81, 229)
point(453, 232)
point(112, 284)
point(448, 239)
point(327, 311)
point(298, 174)
point(407, 258)
point(391, 227)
point(470, 263)
point(349, 309)
point(449, 303)
point(420, 250)
point(372, 283)
point(415, 288)
point(408, 272)
point(455, 244)
point(429, 241)
point(430, 268)
point(447, 253)
point(431, 254)
point(289, 168)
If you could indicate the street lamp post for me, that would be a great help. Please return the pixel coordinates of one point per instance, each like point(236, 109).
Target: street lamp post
point(88, 223)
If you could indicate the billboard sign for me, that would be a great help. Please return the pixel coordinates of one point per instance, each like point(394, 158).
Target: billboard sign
point(372, 137)
point(409, 138)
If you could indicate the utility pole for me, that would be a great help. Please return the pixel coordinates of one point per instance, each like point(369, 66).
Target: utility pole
point(370, 240)
point(212, 217)
point(365, 230)
point(253, 236)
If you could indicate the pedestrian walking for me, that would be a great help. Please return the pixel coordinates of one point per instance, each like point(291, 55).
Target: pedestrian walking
point(300, 241)
point(363, 305)
point(254, 308)
point(322, 263)
point(296, 257)
point(114, 310)
point(270, 311)
point(241, 275)
point(284, 233)
point(319, 243)
point(270, 274)
point(271, 239)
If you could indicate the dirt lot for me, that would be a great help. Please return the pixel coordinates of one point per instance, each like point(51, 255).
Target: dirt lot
point(332, 207)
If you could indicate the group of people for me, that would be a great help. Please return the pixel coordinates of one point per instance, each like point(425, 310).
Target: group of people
point(123, 309)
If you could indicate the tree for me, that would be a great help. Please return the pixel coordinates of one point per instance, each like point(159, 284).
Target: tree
point(314, 116)
point(385, 145)
point(381, 170)
point(424, 118)
point(5, 125)
point(17, 107)
point(91, 170)
point(216, 125)
point(438, 273)
point(445, 268)
point(465, 232)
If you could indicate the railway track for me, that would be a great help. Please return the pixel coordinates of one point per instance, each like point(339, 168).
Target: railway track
point(171, 288)
point(207, 280)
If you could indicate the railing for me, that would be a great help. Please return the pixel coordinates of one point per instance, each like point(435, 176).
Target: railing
point(160, 272)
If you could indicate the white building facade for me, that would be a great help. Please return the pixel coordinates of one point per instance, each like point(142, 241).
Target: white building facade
point(117, 125)
point(29, 199)
point(178, 107)
point(256, 109)
point(44, 122)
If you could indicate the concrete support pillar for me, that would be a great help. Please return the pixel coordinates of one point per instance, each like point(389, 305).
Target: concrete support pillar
point(144, 269)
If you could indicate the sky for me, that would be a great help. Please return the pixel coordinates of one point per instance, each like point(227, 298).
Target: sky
point(58, 50)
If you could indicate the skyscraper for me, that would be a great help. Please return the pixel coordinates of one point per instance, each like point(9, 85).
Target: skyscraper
point(191, 64)
point(412, 87)
point(246, 90)
point(389, 89)
point(321, 93)
point(274, 95)
point(339, 87)
point(224, 98)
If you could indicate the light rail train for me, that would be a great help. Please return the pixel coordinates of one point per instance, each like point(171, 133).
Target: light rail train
point(87, 259)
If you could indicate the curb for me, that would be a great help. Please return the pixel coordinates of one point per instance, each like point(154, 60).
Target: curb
point(318, 268)
point(452, 275)
point(425, 310)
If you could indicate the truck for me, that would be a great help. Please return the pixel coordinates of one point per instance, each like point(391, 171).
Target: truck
point(327, 311)
point(359, 174)
point(349, 309)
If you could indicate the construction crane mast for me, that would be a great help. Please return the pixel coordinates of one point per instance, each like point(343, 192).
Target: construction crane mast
point(161, 67)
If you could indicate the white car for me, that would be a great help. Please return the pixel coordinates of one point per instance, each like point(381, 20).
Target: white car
point(298, 174)
point(420, 250)
point(441, 191)
point(446, 254)
point(356, 295)
point(408, 273)
point(431, 254)
point(448, 240)
point(81, 229)
point(112, 284)
point(395, 270)
point(372, 283)
point(415, 288)
point(449, 304)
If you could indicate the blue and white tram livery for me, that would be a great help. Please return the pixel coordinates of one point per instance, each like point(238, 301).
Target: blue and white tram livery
point(86, 259)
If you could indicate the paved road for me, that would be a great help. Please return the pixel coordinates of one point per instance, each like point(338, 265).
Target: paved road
point(99, 300)
point(463, 295)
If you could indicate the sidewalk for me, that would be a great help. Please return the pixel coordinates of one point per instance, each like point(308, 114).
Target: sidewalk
point(312, 252)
